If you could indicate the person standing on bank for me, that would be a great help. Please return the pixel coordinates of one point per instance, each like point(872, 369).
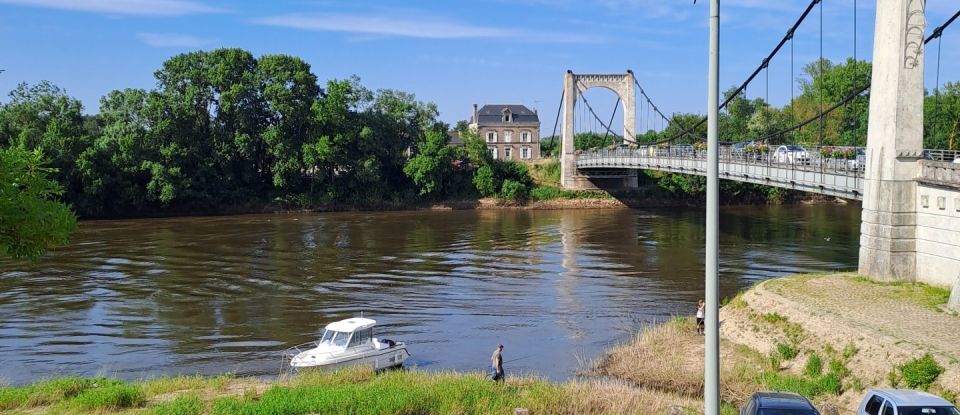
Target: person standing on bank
point(700, 308)
point(497, 361)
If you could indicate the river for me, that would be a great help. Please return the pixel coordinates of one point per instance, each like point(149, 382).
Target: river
point(209, 295)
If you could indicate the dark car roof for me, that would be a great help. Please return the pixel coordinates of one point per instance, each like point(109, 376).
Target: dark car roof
point(780, 400)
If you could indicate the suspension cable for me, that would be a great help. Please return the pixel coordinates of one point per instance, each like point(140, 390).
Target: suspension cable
point(787, 36)
point(553, 137)
point(615, 106)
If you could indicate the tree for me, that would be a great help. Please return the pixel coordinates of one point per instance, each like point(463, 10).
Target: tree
point(942, 118)
point(289, 92)
point(434, 168)
point(31, 219)
point(44, 117)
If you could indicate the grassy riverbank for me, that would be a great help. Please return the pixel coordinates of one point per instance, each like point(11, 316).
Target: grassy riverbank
point(828, 337)
point(346, 392)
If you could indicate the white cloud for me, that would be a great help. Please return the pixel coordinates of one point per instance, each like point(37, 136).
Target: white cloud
point(414, 27)
point(168, 40)
point(124, 7)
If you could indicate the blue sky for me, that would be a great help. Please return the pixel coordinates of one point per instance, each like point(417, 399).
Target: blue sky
point(453, 53)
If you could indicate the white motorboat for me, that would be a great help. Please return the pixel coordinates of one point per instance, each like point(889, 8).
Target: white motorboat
point(348, 342)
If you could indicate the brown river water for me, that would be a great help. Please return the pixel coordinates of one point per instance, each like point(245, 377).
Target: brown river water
point(210, 295)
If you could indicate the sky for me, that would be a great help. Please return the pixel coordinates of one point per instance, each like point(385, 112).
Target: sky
point(452, 53)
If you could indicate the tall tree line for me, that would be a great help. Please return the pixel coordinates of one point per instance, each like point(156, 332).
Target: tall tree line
point(225, 129)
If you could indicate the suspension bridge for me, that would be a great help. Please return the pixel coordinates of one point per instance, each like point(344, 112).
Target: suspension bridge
point(910, 195)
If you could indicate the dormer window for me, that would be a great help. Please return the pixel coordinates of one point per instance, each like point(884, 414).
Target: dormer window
point(507, 116)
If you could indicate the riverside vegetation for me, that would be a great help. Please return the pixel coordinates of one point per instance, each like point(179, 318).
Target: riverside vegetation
point(224, 131)
point(771, 340)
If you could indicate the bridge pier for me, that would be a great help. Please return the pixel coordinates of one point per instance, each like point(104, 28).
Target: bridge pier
point(888, 239)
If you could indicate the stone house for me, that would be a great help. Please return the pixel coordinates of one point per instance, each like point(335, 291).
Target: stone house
point(512, 132)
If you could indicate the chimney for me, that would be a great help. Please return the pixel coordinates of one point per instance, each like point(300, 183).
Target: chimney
point(475, 118)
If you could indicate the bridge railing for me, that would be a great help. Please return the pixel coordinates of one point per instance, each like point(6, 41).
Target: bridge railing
point(846, 161)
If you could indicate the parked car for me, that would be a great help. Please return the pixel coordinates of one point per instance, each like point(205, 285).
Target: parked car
point(736, 150)
point(778, 403)
point(791, 155)
point(904, 402)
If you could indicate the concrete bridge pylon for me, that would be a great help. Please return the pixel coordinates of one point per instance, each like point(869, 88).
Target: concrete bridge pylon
point(888, 240)
point(573, 86)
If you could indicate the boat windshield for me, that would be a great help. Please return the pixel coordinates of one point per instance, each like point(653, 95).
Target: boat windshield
point(335, 338)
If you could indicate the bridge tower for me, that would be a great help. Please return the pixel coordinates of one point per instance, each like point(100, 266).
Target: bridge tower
point(573, 85)
point(888, 233)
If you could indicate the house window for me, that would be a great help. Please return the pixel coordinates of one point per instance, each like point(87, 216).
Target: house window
point(525, 152)
point(492, 137)
point(506, 117)
point(493, 152)
point(508, 153)
point(525, 136)
point(507, 136)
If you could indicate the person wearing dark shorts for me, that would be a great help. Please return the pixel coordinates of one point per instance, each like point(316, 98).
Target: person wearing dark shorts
point(497, 362)
point(700, 309)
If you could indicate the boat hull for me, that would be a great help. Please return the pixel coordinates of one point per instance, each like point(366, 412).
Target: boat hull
point(374, 359)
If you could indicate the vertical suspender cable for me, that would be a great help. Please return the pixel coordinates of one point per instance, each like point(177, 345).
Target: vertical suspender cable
point(936, 102)
point(793, 105)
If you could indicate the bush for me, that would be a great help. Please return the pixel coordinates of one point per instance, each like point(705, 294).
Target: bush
point(787, 351)
point(111, 397)
point(484, 181)
point(814, 366)
point(921, 372)
point(513, 190)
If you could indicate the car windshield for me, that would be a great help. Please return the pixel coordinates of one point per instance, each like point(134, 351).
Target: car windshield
point(927, 410)
point(786, 412)
point(794, 148)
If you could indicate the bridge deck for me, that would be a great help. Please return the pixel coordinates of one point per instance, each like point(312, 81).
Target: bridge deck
point(834, 177)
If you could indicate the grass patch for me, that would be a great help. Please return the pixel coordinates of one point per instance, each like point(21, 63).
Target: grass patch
point(189, 404)
point(116, 396)
point(929, 296)
point(811, 388)
point(920, 372)
point(814, 366)
point(787, 351)
point(12, 398)
point(166, 384)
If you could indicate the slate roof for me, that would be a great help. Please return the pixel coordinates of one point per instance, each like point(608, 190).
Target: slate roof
point(493, 113)
point(455, 138)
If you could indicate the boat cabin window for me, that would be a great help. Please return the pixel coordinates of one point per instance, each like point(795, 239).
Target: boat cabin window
point(361, 337)
point(335, 338)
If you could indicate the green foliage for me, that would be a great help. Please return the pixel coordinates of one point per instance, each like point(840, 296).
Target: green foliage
point(811, 388)
point(12, 398)
point(941, 117)
point(814, 365)
point(32, 220)
point(187, 404)
point(114, 396)
point(920, 372)
point(787, 351)
point(485, 181)
point(774, 318)
point(551, 193)
point(513, 190)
